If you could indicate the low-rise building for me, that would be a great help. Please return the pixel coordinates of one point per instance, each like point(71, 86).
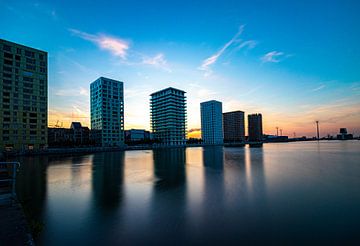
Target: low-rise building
point(136, 136)
point(76, 135)
point(344, 135)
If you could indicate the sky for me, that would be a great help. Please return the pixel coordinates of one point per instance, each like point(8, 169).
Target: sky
point(293, 61)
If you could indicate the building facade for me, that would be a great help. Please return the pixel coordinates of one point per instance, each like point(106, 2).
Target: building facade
point(168, 117)
point(107, 112)
point(23, 107)
point(137, 135)
point(75, 136)
point(255, 130)
point(234, 126)
point(80, 134)
point(211, 122)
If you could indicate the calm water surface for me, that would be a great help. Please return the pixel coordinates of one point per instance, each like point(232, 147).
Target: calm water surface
point(287, 192)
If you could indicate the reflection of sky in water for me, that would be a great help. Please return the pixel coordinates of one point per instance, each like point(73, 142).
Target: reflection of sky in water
point(293, 191)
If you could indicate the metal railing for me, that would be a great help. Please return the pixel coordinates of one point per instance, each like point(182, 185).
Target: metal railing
point(8, 178)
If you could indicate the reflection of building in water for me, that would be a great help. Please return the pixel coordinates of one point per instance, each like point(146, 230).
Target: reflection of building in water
point(169, 167)
point(214, 196)
point(107, 178)
point(168, 218)
point(213, 156)
point(257, 173)
point(31, 185)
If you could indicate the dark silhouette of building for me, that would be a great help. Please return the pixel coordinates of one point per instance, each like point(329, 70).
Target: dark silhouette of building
point(234, 126)
point(76, 135)
point(344, 135)
point(80, 134)
point(59, 137)
point(255, 130)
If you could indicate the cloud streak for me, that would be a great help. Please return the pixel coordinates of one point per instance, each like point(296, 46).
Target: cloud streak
point(273, 56)
point(318, 88)
point(116, 46)
point(81, 91)
point(158, 61)
point(206, 64)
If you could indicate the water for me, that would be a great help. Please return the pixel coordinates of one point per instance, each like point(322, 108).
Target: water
point(286, 192)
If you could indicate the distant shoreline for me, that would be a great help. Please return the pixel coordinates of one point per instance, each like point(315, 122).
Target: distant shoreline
point(90, 150)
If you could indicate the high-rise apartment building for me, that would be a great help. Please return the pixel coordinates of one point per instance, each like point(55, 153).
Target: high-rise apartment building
point(234, 126)
point(168, 116)
point(107, 112)
point(23, 107)
point(211, 122)
point(255, 130)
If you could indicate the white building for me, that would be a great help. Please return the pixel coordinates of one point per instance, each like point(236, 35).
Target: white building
point(211, 122)
point(107, 112)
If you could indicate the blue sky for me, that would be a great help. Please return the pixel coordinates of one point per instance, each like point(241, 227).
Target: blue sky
point(295, 62)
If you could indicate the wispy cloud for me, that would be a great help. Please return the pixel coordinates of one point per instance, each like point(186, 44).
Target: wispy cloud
point(81, 91)
point(158, 61)
point(273, 56)
point(250, 44)
point(318, 88)
point(116, 46)
point(205, 66)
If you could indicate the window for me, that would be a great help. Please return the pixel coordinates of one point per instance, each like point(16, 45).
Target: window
point(28, 85)
point(31, 67)
point(31, 61)
point(7, 82)
point(7, 69)
point(29, 53)
point(7, 62)
point(28, 79)
point(7, 55)
point(26, 73)
point(7, 47)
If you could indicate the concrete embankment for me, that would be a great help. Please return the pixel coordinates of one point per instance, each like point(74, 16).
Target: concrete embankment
point(14, 229)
